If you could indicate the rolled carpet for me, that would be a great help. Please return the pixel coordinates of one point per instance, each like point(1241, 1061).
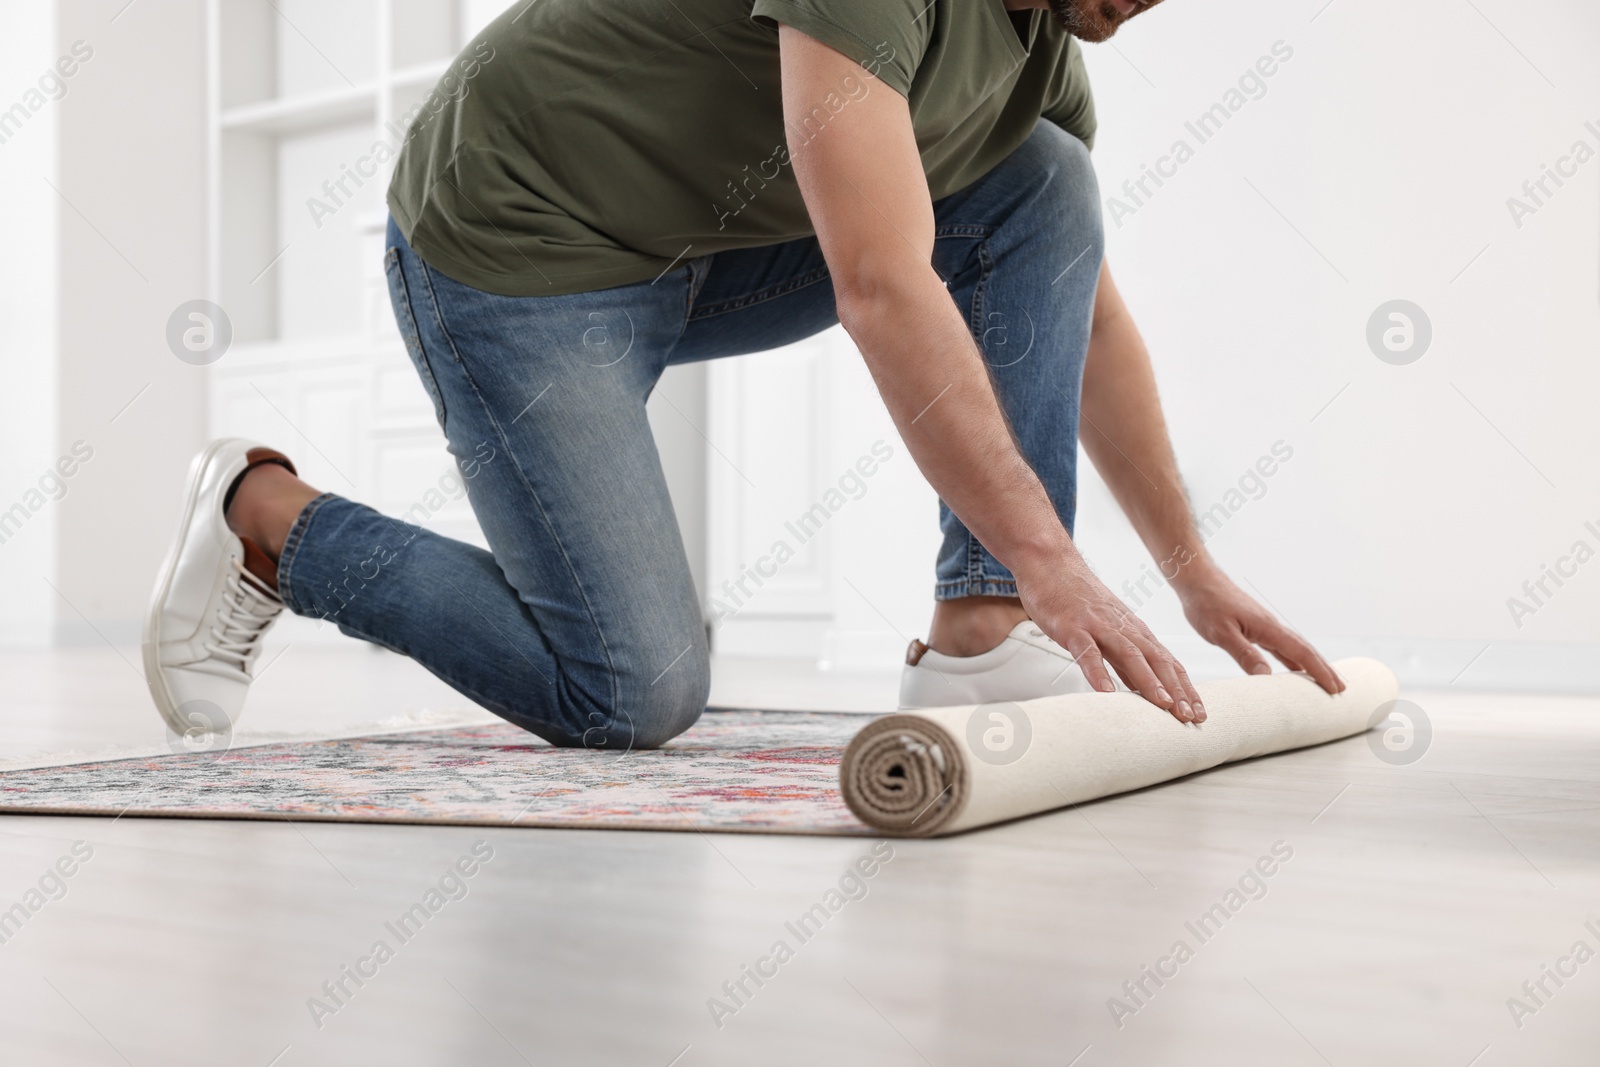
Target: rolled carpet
point(944, 770)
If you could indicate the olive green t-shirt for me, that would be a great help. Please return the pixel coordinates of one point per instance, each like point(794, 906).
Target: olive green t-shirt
point(582, 145)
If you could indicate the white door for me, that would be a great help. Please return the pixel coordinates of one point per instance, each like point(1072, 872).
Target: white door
point(821, 532)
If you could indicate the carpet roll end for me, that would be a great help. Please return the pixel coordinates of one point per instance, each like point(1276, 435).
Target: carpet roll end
point(902, 775)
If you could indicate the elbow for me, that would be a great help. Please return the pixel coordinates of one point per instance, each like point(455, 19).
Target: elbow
point(868, 295)
point(853, 303)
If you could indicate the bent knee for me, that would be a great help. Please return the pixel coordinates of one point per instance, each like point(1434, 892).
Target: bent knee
point(1058, 157)
point(671, 703)
point(639, 710)
point(1062, 178)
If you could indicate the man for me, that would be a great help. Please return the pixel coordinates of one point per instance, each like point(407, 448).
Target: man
point(709, 178)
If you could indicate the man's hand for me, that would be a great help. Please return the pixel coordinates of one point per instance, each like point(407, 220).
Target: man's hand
point(1225, 615)
point(1126, 436)
point(1071, 605)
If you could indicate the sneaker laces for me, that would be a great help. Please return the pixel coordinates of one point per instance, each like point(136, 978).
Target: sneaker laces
point(248, 607)
point(1055, 648)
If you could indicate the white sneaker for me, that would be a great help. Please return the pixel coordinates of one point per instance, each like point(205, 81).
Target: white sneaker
point(1024, 666)
point(215, 597)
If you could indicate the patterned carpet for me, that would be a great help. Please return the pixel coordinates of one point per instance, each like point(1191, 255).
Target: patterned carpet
point(734, 771)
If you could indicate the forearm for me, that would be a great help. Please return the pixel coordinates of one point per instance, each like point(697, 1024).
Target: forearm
point(1125, 435)
point(933, 382)
point(868, 199)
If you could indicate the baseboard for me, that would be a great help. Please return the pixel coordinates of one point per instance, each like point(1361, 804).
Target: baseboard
point(1423, 663)
point(1437, 663)
point(861, 651)
point(78, 632)
point(26, 636)
point(1426, 663)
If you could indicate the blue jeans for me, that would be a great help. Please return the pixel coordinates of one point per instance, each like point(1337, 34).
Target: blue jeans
point(581, 622)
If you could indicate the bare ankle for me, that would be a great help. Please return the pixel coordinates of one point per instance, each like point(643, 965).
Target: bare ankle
point(971, 626)
point(265, 505)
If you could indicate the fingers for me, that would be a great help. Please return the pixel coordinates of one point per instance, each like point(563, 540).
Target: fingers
point(1142, 662)
point(1185, 701)
point(1152, 672)
point(1298, 655)
point(1087, 655)
point(1128, 659)
point(1186, 686)
point(1293, 650)
point(1244, 653)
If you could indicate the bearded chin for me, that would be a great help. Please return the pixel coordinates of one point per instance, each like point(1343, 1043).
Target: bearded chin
point(1087, 20)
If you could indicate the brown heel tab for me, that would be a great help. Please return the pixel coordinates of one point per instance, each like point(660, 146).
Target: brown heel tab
point(254, 458)
point(257, 456)
point(914, 652)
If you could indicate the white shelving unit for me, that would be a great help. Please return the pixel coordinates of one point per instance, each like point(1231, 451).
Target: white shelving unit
point(299, 92)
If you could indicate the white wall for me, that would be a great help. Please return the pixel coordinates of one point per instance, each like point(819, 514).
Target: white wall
point(27, 324)
point(1426, 494)
point(132, 248)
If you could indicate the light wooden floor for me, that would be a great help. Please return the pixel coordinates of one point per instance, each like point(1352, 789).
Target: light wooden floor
point(1417, 900)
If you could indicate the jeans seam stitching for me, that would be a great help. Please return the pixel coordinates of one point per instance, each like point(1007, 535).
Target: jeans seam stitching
point(544, 515)
point(953, 588)
point(688, 298)
point(979, 291)
point(522, 475)
point(438, 315)
point(761, 296)
point(699, 270)
point(975, 320)
point(437, 394)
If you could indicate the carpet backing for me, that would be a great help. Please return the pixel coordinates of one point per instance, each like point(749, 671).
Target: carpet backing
point(944, 770)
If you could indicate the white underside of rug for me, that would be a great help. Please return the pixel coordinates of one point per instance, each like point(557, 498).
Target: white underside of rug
point(943, 770)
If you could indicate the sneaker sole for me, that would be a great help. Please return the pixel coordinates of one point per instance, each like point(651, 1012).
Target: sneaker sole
point(154, 681)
